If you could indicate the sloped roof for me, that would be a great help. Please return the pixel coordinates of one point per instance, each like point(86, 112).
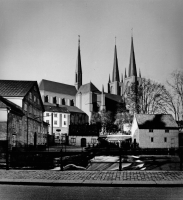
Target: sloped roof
point(5, 103)
point(156, 121)
point(62, 109)
point(89, 87)
point(114, 97)
point(56, 87)
point(15, 88)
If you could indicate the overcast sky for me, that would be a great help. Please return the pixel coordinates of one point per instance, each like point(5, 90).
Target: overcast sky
point(39, 38)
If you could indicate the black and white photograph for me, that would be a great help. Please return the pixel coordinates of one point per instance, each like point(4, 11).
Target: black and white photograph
point(91, 99)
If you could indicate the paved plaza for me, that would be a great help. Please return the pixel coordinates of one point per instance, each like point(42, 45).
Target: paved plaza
point(120, 178)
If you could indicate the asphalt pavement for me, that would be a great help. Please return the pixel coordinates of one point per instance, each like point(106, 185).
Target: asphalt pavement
point(92, 178)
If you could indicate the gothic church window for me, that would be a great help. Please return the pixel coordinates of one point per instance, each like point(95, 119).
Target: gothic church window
point(46, 98)
point(63, 101)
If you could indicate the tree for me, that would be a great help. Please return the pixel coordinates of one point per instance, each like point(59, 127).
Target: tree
point(95, 118)
point(176, 98)
point(122, 118)
point(105, 119)
point(146, 97)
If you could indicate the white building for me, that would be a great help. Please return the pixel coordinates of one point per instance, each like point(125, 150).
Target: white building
point(155, 131)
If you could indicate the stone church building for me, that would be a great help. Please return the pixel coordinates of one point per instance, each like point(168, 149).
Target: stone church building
point(87, 97)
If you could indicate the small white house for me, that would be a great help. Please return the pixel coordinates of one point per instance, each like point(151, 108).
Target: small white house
point(155, 131)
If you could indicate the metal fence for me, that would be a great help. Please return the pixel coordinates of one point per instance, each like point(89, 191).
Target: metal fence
point(50, 160)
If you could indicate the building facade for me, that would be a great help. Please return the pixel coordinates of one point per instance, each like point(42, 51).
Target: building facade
point(25, 94)
point(155, 131)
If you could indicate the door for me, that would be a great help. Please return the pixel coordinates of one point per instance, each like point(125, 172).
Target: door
point(83, 142)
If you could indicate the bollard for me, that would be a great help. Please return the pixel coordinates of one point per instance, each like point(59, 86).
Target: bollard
point(61, 163)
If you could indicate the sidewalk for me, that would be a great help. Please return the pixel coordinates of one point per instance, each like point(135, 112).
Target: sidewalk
point(92, 178)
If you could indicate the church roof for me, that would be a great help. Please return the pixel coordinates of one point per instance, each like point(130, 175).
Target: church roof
point(155, 121)
point(89, 87)
point(115, 72)
point(56, 87)
point(114, 97)
point(132, 66)
point(15, 88)
point(62, 109)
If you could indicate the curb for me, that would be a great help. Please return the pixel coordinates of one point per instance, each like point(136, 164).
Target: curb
point(89, 183)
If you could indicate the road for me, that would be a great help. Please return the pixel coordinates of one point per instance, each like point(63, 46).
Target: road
point(16, 192)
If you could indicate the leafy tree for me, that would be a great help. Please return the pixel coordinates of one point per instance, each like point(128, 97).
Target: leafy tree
point(122, 118)
point(95, 118)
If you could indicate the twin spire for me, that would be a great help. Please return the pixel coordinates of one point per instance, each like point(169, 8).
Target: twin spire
point(132, 71)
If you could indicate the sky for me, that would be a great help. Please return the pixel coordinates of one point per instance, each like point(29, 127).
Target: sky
point(39, 38)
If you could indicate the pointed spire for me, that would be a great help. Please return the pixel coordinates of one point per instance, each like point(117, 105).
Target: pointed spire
point(125, 73)
point(109, 79)
point(121, 78)
point(139, 73)
point(78, 63)
point(115, 73)
point(78, 72)
point(132, 66)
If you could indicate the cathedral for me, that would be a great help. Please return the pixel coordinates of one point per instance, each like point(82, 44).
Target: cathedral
point(87, 97)
point(90, 99)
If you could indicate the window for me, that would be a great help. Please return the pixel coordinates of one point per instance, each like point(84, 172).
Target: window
point(46, 98)
point(34, 98)
point(63, 101)
point(55, 115)
point(165, 139)
point(73, 140)
point(47, 114)
point(25, 107)
point(166, 130)
point(93, 140)
point(71, 102)
point(76, 78)
point(55, 100)
point(152, 139)
point(30, 95)
point(47, 121)
point(55, 122)
point(65, 123)
point(64, 116)
point(151, 130)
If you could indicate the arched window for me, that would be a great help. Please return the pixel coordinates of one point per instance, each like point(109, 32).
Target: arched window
point(63, 101)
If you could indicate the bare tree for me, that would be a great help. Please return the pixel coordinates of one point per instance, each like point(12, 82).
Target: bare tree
point(148, 97)
point(176, 98)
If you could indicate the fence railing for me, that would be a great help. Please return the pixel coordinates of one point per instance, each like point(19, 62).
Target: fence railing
point(50, 160)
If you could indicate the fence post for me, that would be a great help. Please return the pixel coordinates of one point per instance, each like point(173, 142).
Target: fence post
point(120, 168)
point(61, 163)
point(180, 156)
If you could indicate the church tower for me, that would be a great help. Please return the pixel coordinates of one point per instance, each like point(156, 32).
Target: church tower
point(132, 70)
point(78, 72)
point(115, 84)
